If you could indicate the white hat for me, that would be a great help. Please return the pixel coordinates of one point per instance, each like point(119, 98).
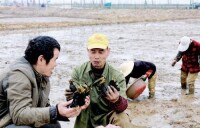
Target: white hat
point(126, 67)
point(184, 44)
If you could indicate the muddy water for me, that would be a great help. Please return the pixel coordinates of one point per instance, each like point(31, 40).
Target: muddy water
point(156, 42)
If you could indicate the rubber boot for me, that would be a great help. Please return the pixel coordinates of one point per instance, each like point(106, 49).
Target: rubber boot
point(183, 80)
point(151, 86)
point(191, 89)
point(183, 86)
point(191, 80)
point(151, 95)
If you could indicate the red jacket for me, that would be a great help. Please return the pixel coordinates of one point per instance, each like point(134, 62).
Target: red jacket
point(190, 62)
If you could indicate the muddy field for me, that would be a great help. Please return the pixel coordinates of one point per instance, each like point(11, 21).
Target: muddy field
point(154, 41)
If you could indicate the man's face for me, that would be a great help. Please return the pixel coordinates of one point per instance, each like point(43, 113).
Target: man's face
point(47, 69)
point(98, 57)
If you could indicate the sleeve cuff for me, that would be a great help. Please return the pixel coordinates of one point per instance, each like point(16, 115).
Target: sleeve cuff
point(53, 114)
point(120, 105)
point(59, 117)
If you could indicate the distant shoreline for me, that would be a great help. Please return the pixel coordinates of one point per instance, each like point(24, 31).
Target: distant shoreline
point(81, 17)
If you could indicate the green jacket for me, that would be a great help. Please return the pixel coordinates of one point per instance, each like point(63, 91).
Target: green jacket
point(95, 114)
point(22, 97)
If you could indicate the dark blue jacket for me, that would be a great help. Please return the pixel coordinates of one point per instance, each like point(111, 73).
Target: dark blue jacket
point(140, 68)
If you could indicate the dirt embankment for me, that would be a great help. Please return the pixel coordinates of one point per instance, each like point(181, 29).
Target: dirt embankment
point(86, 16)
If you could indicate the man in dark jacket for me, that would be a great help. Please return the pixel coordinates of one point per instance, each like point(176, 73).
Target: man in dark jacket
point(144, 69)
point(189, 51)
point(25, 87)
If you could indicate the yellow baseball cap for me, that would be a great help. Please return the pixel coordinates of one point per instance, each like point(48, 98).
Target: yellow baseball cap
point(98, 40)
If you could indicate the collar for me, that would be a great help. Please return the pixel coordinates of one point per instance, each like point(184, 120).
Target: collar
point(39, 77)
point(89, 69)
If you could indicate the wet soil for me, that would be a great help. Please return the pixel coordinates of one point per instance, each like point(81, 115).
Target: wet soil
point(150, 41)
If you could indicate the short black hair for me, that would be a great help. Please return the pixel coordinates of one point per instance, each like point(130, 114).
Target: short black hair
point(41, 45)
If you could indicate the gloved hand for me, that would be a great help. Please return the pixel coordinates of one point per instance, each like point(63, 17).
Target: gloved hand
point(148, 73)
point(173, 63)
point(143, 77)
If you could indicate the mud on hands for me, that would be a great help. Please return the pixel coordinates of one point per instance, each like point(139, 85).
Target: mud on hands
point(104, 88)
point(77, 93)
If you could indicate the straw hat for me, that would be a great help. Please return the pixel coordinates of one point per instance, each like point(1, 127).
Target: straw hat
point(184, 44)
point(126, 67)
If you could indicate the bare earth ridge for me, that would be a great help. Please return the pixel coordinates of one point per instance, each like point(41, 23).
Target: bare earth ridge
point(80, 17)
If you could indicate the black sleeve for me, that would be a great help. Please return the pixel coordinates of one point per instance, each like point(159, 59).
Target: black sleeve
point(54, 115)
point(178, 56)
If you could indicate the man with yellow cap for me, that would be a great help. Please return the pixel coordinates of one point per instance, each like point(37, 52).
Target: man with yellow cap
point(107, 102)
point(189, 51)
point(144, 69)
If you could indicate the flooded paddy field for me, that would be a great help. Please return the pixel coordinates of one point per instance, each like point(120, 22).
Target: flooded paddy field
point(156, 42)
